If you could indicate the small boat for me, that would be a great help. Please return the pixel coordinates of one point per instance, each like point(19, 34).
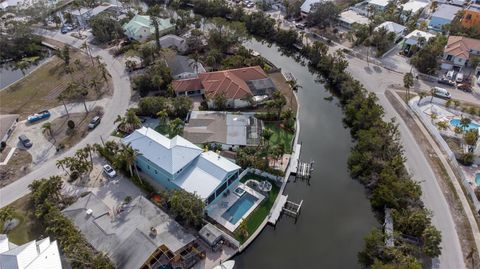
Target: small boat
point(225, 265)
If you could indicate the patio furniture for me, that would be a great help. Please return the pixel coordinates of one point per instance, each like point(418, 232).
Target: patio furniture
point(265, 186)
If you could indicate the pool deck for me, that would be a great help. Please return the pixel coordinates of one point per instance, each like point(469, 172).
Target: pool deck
point(217, 210)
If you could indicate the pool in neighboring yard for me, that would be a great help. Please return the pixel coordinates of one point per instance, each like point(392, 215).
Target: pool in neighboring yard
point(239, 208)
point(456, 122)
point(477, 179)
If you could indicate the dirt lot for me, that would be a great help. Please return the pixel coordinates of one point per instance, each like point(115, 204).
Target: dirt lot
point(17, 167)
point(69, 138)
point(463, 227)
point(40, 89)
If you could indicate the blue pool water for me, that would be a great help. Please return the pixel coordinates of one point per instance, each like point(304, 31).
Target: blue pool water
point(456, 122)
point(477, 179)
point(239, 208)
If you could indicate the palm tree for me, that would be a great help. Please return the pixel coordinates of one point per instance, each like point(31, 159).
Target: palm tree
point(128, 123)
point(267, 133)
point(62, 164)
point(194, 64)
point(89, 149)
point(408, 83)
point(175, 127)
point(129, 156)
point(103, 68)
point(47, 127)
point(6, 214)
point(464, 123)
point(422, 95)
point(87, 49)
point(153, 12)
point(162, 116)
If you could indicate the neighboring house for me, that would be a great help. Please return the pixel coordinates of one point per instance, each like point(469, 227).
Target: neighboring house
point(134, 235)
point(179, 164)
point(239, 86)
point(140, 27)
point(41, 254)
point(173, 41)
point(392, 27)
point(366, 7)
point(459, 50)
point(471, 17)
point(83, 15)
point(182, 67)
point(225, 128)
point(7, 125)
point(412, 7)
point(350, 17)
point(442, 16)
point(307, 6)
point(416, 38)
point(23, 4)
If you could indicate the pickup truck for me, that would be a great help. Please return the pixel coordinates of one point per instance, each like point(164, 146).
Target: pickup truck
point(38, 116)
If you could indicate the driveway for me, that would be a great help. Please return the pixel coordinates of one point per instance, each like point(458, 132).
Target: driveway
point(120, 99)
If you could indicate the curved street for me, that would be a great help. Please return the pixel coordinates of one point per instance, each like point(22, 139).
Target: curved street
point(119, 103)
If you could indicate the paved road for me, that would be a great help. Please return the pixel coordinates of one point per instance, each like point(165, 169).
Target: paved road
point(120, 99)
point(378, 80)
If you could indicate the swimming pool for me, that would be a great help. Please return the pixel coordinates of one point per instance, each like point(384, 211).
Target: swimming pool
point(477, 179)
point(239, 208)
point(456, 122)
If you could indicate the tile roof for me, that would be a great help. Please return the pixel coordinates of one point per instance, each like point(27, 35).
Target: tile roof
point(460, 46)
point(231, 83)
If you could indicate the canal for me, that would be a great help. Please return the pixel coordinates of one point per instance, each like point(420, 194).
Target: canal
point(336, 213)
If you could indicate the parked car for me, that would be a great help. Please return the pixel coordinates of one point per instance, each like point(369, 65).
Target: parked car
point(250, 5)
point(25, 141)
point(94, 122)
point(441, 92)
point(107, 169)
point(64, 30)
point(300, 26)
point(450, 74)
point(446, 81)
point(38, 116)
point(459, 77)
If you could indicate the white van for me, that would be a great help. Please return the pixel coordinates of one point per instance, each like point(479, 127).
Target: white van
point(450, 74)
point(441, 92)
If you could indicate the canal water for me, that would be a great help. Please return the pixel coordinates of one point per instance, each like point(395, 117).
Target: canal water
point(8, 75)
point(336, 213)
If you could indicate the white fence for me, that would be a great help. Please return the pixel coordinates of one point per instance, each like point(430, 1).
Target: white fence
point(435, 133)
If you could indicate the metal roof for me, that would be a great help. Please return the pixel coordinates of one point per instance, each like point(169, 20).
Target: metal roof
point(169, 154)
point(446, 12)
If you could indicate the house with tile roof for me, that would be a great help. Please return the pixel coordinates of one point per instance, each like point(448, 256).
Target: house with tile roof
point(459, 50)
point(41, 254)
point(140, 27)
point(179, 164)
point(238, 86)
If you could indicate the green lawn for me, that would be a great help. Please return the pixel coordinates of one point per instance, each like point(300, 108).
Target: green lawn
point(261, 212)
point(29, 228)
point(280, 137)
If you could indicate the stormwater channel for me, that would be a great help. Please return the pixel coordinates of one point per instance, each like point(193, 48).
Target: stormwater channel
point(336, 213)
